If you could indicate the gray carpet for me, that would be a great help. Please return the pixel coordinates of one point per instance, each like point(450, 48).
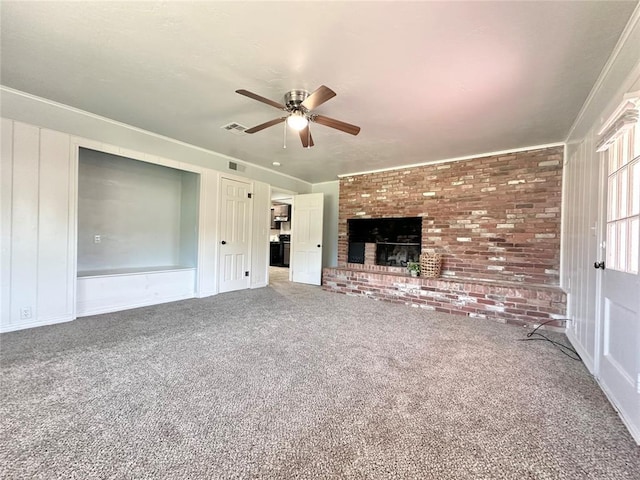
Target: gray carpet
point(290, 381)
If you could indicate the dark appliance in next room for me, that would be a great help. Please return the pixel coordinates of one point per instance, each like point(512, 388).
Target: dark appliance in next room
point(280, 252)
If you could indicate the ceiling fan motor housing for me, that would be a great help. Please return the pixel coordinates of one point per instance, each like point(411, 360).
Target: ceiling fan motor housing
point(300, 105)
point(294, 98)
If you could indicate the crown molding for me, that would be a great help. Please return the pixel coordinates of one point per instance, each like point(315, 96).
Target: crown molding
point(456, 159)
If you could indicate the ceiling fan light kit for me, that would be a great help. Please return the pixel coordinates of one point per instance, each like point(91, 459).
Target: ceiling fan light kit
point(297, 120)
point(299, 105)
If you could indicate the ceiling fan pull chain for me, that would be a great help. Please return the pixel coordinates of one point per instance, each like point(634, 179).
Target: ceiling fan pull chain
point(284, 140)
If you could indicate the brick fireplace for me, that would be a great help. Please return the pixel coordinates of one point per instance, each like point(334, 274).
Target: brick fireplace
point(495, 219)
point(394, 241)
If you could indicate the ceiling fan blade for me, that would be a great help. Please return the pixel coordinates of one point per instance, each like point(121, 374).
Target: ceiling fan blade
point(259, 98)
point(264, 125)
point(305, 136)
point(318, 97)
point(337, 124)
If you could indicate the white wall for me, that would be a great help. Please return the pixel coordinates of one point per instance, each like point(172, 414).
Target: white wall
point(331, 191)
point(38, 193)
point(580, 243)
point(582, 187)
point(37, 257)
point(39, 217)
point(260, 235)
point(207, 283)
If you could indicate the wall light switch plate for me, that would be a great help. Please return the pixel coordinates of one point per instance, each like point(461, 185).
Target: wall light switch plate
point(97, 239)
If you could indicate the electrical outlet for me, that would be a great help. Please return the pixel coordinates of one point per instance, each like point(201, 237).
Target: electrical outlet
point(97, 239)
point(25, 313)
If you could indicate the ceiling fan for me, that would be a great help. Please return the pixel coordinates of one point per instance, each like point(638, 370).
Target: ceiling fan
point(299, 105)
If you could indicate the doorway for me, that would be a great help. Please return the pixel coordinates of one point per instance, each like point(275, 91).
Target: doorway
point(280, 234)
point(297, 234)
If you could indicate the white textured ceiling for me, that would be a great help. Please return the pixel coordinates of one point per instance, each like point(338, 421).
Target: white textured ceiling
point(424, 80)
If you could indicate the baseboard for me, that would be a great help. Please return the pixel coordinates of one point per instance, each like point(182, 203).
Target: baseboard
point(259, 285)
point(36, 323)
point(205, 294)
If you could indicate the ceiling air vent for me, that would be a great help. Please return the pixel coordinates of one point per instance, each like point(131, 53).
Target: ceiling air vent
point(235, 128)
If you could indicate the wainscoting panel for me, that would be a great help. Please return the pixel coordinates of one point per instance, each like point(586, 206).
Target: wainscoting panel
point(38, 244)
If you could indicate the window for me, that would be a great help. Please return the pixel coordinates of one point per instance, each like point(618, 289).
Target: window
point(623, 202)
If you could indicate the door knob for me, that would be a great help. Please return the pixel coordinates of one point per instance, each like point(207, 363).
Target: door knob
point(599, 265)
point(318, 245)
point(223, 242)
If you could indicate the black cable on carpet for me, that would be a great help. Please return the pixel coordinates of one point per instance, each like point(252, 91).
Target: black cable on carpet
point(564, 349)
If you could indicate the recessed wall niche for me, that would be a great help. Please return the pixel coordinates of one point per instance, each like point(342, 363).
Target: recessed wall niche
point(134, 216)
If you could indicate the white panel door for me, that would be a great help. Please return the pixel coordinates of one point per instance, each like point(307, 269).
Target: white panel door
point(618, 368)
point(306, 238)
point(235, 225)
point(619, 365)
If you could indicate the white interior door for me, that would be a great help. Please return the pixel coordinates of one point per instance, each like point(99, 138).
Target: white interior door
point(618, 366)
point(235, 225)
point(306, 238)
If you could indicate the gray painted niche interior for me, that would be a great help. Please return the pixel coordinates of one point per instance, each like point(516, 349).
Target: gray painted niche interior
point(134, 216)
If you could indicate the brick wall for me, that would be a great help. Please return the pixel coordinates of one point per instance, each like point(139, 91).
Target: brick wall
point(515, 303)
point(492, 218)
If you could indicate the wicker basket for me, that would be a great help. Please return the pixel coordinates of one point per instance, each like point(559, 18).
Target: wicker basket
point(430, 264)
